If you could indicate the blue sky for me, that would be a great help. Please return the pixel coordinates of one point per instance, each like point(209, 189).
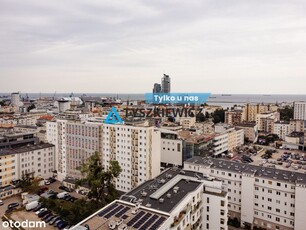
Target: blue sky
point(125, 46)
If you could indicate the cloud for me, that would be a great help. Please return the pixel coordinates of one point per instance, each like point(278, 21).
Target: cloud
point(201, 44)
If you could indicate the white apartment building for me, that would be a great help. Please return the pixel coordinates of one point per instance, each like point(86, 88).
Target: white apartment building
point(171, 148)
point(227, 138)
point(136, 148)
point(83, 139)
point(175, 200)
point(15, 99)
point(37, 160)
point(75, 141)
point(56, 134)
point(299, 110)
point(258, 196)
point(281, 129)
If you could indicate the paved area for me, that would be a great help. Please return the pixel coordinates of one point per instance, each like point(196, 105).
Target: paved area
point(54, 186)
point(3, 208)
point(30, 216)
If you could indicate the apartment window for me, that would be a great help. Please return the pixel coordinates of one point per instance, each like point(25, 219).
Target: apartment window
point(270, 191)
point(207, 200)
point(269, 199)
point(278, 193)
point(277, 219)
point(278, 184)
point(278, 210)
point(222, 203)
point(270, 182)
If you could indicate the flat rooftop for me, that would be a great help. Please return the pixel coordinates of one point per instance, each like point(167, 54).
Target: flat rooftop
point(259, 171)
point(23, 149)
point(162, 187)
point(144, 219)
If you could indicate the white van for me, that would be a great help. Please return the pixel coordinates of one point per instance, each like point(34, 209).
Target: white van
point(31, 205)
point(62, 195)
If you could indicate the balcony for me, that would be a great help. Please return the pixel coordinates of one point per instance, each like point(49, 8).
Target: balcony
point(178, 219)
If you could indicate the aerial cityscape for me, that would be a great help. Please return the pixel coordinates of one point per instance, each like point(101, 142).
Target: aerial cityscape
point(163, 115)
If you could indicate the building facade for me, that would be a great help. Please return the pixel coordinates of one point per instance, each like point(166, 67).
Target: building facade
point(166, 84)
point(299, 110)
point(136, 148)
point(258, 196)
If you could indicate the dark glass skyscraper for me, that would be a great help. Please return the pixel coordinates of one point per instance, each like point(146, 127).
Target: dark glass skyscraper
point(165, 84)
point(157, 88)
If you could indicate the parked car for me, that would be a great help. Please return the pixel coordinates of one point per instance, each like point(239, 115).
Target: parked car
point(62, 224)
point(47, 182)
point(1, 202)
point(12, 205)
point(67, 197)
point(61, 195)
point(43, 213)
point(54, 220)
point(10, 210)
point(51, 180)
point(40, 210)
point(39, 206)
point(47, 216)
point(65, 188)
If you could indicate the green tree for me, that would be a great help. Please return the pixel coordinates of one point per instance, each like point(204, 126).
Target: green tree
point(200, 117)
point(219, 116)
point(286, 113)
point(28, 183)
point(100, 181)
point(32, 106)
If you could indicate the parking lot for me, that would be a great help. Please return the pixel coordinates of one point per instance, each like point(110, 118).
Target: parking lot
point(31, 216)
point(55, 187)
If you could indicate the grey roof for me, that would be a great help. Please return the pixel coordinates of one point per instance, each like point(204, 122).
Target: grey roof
point(161, 186)
point(23, 149)
point(258, 171)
